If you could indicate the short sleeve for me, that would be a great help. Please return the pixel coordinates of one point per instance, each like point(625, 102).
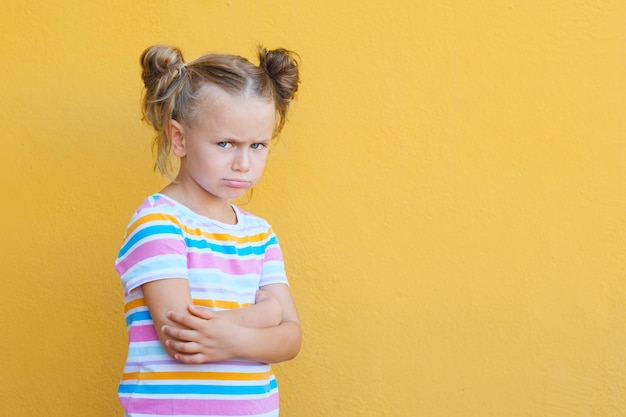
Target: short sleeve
point(273, 270)
point(154, 248)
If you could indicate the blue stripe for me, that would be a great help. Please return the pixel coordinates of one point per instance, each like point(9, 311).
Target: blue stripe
point(202, 243)
point(142, 351)
point(197, 389)
point(140, 315)
point(227, 250)
point(149, 231)
point(165, 266)
point(274, 268)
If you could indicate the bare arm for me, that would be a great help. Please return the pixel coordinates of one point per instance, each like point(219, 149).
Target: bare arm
point(279, 343)
point(173, 294)
point(204, 336)
point(165, 295)
point(265, 312)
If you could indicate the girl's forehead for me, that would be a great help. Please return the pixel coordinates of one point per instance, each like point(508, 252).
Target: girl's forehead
point(212, 95)
point(219, 108)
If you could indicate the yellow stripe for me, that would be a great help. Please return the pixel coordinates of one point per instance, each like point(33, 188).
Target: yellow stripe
point(219, 376)
point(223, 305)
point(196, 232)
point(134, 304)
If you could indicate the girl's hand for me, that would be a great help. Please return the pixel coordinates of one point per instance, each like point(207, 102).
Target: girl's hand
point(208, 336)
point(203, 336)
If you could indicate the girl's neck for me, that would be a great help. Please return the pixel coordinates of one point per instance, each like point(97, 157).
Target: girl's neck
point(202, 203)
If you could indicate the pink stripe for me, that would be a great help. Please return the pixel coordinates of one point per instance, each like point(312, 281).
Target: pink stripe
point(273, 253)
point(150, 249)
point(145, 333)
point(200, 407)
point(235, 266)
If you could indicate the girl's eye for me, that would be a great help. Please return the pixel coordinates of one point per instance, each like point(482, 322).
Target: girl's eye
point(224, 144)
point(258, 145)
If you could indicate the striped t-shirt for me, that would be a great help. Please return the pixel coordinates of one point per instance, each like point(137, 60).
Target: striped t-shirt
point(225, 265)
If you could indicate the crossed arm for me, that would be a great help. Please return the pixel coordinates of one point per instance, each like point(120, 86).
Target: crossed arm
point(268, 331)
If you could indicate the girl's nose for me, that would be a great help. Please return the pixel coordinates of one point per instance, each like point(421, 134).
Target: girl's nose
point(242, 161)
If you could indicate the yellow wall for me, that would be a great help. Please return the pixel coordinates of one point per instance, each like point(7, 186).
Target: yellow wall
point(450, 194)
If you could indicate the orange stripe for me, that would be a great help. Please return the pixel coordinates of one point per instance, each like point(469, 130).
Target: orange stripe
point(196, 232)
point(219, 376)
point(224, 305)
point(134, 304)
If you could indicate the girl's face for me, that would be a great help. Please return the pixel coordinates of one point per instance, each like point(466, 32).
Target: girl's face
point(224, 153)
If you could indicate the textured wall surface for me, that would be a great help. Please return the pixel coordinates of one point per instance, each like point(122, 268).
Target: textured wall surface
point(450, 195)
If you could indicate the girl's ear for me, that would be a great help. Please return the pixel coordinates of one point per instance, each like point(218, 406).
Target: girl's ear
point(176, 135)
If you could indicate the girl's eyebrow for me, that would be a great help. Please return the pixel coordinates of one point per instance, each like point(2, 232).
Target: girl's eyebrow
point(240, 141)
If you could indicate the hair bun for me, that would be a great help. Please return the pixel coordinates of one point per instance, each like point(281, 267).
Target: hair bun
point(281, 65)
point(159, 62)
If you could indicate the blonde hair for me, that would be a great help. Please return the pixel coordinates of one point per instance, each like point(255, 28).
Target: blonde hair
point(174, 88)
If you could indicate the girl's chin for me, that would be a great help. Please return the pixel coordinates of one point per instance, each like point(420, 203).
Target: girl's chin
point(235, 195)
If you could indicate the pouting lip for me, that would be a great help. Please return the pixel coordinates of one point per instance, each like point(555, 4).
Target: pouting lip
point(237, 183)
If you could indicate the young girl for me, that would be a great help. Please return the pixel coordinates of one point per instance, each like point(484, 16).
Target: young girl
point(207, 302)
